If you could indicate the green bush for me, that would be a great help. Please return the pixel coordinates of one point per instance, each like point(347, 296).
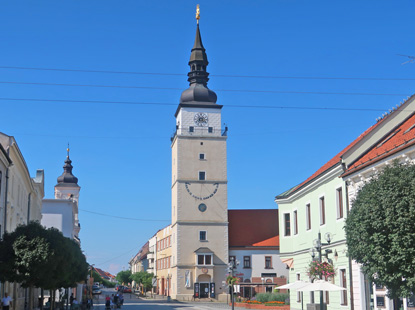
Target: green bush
point(265, 297)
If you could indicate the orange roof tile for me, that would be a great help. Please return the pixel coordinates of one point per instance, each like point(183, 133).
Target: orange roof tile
point(253, 228)
point(398, 139)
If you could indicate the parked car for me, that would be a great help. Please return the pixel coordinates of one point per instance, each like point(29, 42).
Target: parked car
point(127, 290)
point(96, 290)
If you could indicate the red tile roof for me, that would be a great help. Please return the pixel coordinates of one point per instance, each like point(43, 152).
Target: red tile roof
point(398, 139)
point(258, 228)
point(330, 164)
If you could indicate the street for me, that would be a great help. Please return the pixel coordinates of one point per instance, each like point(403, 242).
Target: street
point(132, 302)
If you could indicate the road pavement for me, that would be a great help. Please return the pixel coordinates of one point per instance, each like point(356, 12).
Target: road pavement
point(132, 302)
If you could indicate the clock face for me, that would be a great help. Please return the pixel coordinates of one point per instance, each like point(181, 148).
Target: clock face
point(201, 119)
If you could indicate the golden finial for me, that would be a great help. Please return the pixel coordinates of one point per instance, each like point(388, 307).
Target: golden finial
point(197, 13)
point(67, 150)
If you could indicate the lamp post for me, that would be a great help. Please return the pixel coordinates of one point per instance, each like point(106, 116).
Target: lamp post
point(231, 267)
point(90, 282)
point(317, 247)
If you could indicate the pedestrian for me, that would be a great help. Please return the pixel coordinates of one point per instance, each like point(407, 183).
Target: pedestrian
point(6, 301)
point(71, 300)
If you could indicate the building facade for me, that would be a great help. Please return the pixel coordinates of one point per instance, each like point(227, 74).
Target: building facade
point(320, 204)
point(62, 212)
point(254, 244)
point(21, 197)
point(199, 188)
point(394, 140)
point(164, 261)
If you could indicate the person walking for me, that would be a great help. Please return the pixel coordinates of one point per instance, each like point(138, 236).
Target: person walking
point(6, 301)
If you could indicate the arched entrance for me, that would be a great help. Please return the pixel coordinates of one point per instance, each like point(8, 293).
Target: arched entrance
point(204, 285)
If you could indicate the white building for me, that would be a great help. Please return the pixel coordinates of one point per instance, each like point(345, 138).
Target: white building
point(392, 139)
point(62, 212)
point(21, 198)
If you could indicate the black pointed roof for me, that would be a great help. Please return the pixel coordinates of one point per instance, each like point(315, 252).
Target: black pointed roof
point(67, 178)
point(198, 94)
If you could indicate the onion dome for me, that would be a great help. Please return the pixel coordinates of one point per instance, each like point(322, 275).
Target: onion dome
point(67, 178)
point(198, 76)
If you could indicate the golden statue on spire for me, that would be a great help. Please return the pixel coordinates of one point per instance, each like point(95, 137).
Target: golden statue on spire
point(197, 13)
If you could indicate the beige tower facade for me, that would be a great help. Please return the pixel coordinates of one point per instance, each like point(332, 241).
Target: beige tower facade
point(199, 189)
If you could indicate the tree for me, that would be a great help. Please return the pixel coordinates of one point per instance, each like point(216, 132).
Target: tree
point(124, 276)
point(39, 257)
point(144, 279)
point(380, 230)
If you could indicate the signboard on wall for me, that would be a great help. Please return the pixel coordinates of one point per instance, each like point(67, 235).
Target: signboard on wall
point(212, 290)
point(196, 290)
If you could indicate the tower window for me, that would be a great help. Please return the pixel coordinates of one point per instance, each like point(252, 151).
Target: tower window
point(202, 175)
point(202, 156)
point(203, 235)
point(210, 129)
point(191, 129)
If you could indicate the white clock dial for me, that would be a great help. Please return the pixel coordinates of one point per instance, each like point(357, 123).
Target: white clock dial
point(201, 119)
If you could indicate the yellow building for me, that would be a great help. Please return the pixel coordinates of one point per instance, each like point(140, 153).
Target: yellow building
point(164, 261)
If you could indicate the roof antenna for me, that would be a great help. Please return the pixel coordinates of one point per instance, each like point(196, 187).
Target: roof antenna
point(411, 59)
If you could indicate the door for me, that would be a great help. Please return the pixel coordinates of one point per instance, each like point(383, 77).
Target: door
point(204, 290)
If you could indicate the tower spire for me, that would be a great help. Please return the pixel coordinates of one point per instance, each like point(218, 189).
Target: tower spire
point(198, 76)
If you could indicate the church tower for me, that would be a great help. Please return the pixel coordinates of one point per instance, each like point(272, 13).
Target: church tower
point(68, 188)
point(199, 187)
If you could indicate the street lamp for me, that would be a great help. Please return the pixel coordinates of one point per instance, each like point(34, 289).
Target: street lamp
point(317, 248)
point(233, 263)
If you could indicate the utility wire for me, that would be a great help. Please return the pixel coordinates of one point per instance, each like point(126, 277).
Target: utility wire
point(223, 90)
point(109, 260)
point(217, 75)
point(175, 104)
point(124, 218)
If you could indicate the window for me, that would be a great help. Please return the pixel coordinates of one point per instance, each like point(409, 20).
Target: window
point(287, 225)
point(322, 211)
point(295, 222)
point(247, 261)
point(343, 283)
point(202, 156)
point(202, 175)
point(298, 293)
point(380, 301)
point(210, 129)
point(191, 129)
point(268, 262)
point(204, 259)
point(339, 198)
point(202, 235)
point(308, 216)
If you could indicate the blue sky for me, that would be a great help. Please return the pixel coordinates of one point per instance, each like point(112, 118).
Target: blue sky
point(121, 152)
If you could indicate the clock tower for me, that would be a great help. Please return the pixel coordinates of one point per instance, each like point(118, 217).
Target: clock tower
point(199, 188)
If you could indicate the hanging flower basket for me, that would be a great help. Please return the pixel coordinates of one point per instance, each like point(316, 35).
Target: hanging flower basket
point(232, 280)
point(323, 270)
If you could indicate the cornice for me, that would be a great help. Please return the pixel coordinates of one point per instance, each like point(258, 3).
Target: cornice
point(328, 175)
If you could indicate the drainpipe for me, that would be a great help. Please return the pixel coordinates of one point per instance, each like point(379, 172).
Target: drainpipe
point(28, 207)
point(5, 200)
point(350, 260)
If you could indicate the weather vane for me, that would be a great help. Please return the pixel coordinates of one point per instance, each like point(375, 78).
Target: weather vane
point(197, 13)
